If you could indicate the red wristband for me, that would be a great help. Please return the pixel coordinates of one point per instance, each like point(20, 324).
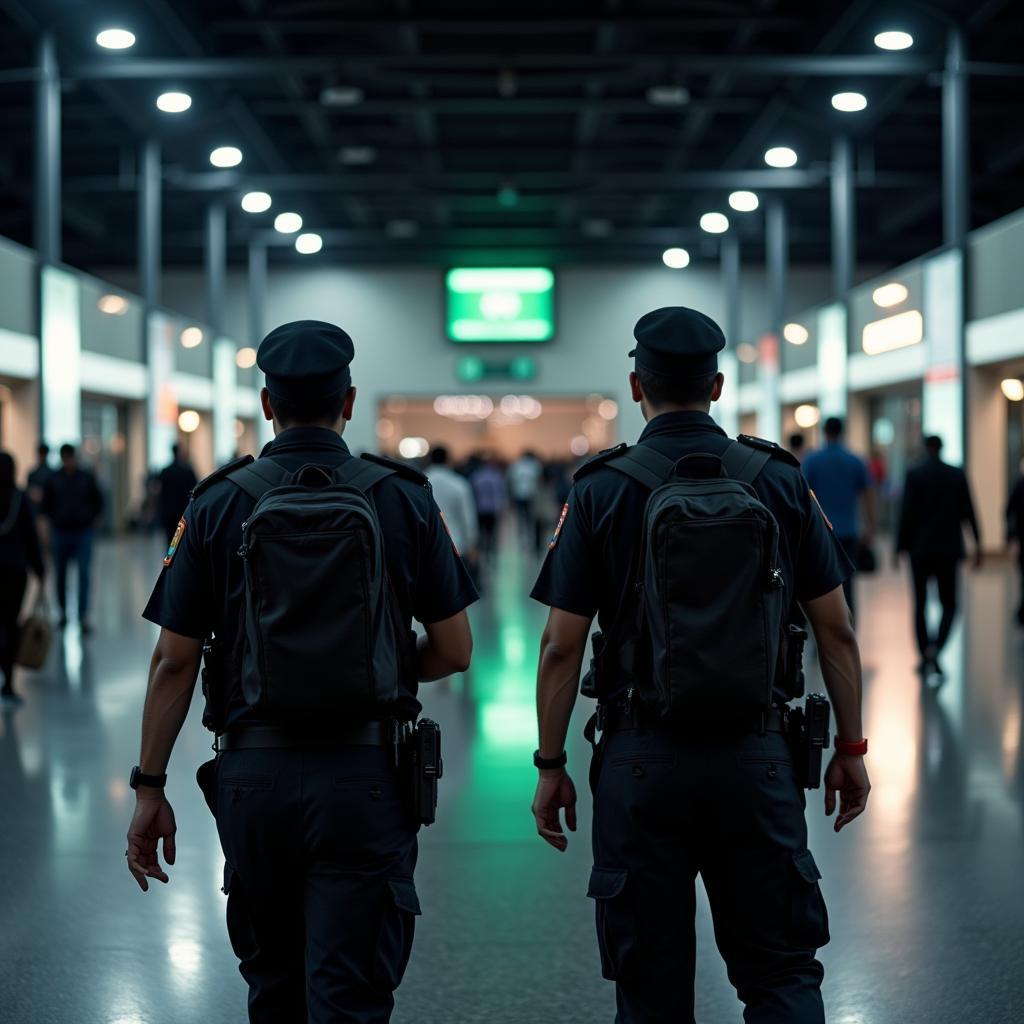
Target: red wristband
point(851, 748)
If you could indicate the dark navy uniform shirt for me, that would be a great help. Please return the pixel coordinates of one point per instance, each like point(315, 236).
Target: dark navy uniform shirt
point(201, 587)
point(593, 557)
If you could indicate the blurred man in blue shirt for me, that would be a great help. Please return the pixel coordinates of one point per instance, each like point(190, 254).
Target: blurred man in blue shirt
point(840, 482)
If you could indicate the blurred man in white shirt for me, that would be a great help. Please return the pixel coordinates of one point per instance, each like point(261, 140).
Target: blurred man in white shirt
point(454, 497)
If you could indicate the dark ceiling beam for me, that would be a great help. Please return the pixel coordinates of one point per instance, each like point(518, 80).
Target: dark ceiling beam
point(798, 65)
point(453, 182)
point(475, 26)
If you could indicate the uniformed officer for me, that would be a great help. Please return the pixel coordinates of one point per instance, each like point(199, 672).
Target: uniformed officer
point(723, 802)
point(319, 841)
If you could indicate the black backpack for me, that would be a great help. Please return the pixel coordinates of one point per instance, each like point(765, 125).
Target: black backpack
point(320, 630)
point(708, 610)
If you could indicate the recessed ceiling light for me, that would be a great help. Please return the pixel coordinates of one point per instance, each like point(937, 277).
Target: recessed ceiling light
point(714, 223)
point(806, 416)
point(675, 258)
point(894, 40)
point(309, 243)
point(287, 223)
point(173, 102)
point(849, 102)
point(226, 156)
point(891, 294)
point(116, 39)
point(245, 358)
point(341, 96)
point(780, 156)
point(357, 156)
point(188, 421)
point(744, 202)
point(191, 337)
point(668, 95)
point(112, 305)
point(795, 334)
point(256, 202)
point(1013, 389)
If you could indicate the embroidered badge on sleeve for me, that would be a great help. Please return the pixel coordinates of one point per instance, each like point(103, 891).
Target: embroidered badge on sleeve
point(175, 541)
point(558, 528)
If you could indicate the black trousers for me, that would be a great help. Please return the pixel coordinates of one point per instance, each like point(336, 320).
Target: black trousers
point(945, 572)
point(667, 809)
point(320, 853)
point(12, 593)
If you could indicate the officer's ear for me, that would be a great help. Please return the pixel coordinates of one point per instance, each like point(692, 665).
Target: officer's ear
point(268, 413)
point(350, 401)
point(716, 391)
point(634, 387)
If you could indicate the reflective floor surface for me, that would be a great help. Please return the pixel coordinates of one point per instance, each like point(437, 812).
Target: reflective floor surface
point(926, 892)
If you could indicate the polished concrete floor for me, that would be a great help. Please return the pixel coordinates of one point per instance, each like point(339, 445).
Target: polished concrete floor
point(926, 891)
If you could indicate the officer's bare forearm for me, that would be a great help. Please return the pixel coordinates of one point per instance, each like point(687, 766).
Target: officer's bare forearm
point(172, 678)
point(562, 647)
point(839, 656)
point(446, 648)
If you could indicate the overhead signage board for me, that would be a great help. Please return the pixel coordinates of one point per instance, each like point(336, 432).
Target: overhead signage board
point(500, 304)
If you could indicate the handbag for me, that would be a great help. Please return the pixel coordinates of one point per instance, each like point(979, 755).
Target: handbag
point(35, 635)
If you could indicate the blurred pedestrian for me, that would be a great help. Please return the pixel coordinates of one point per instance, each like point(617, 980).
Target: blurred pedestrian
point(491, 495)
point(1015, 533)
point(20, 551)
point(454, 497)
point(524, 478)
point(797, 446)
point(38, 476)
point(546, 506)
point(176, 483)
point(72, 504)
point(840, 483)
point(936, 504)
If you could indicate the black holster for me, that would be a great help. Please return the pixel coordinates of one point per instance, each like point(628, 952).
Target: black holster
point(808, 734)
point(206, 777)
point(424, 768)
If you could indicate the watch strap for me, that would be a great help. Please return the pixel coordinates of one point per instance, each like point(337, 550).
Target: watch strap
point(851, 748)
point(550, 763)
point(139, 778)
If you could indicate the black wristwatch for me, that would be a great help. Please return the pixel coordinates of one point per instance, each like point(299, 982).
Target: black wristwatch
point(151, 781)
point(550, 763)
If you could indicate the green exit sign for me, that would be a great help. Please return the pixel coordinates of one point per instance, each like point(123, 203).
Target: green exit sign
point(471, 369)
point(507, 304)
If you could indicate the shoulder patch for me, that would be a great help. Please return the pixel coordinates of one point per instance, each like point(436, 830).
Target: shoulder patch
point(172, 548)
point(221, 473)
point(773, 449)
point(401, 468)
point(599, 459)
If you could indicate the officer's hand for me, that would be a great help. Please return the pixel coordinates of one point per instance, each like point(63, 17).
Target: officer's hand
point(847, 776)
point(153, 820)
point(554, 791)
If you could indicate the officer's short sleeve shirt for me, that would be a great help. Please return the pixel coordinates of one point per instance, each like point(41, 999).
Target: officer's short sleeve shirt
point(201, 586)
point(594, 553)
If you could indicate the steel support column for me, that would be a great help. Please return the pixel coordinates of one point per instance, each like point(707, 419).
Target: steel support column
point(729, 256)
point(150, 244)
point(844, 221)
point(257, 288)
point(47, 154)
point(770, 349)
point(215, 260)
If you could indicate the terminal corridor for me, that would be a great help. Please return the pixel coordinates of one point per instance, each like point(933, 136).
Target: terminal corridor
point(925, 891)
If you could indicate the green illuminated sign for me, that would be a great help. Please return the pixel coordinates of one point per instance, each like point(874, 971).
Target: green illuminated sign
point(470, 369)
point(507, 304)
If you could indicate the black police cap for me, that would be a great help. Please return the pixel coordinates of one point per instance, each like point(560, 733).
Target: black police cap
point(679, 342)
point(307, 359)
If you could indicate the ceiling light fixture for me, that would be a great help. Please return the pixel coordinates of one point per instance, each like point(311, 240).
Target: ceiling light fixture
point(226, 156)
point(1013, 389)
point(780, 156)
point(891, 294)
point(714, 223)
point(668, 95)
point(287, 223)
point(894, 39)
point(188, 421)
point(795, 334)
point(191, 337)
point(341, 96)
point(675, 258)
point(744, 202)
point(256, 202)
point(309, 243)
point(173, 102)
point(245, 358)
point(115, 39)
point(806, 416)
point(849, 102)
point(112, 305)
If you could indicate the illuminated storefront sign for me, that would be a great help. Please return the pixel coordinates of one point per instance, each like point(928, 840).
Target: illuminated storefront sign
point(511, 304)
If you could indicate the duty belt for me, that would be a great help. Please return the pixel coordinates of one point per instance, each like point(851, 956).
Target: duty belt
point(616, 718)
point(272, 737)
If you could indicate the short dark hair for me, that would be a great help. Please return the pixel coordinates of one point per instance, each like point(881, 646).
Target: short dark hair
point(439, 455)
point(833, 426)
point(796, 442)
point(67, 451)
point(933, 444)
point(296, 412)
point(43, 450)
point(175, 449)
point(662, 390)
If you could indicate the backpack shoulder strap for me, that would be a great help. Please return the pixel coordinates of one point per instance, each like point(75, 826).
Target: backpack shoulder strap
point(220, 474)
point(259, 476)
point(644, 465)
point(402, 469)
point(595, 461)
point(362, 473)
point(747, 456)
